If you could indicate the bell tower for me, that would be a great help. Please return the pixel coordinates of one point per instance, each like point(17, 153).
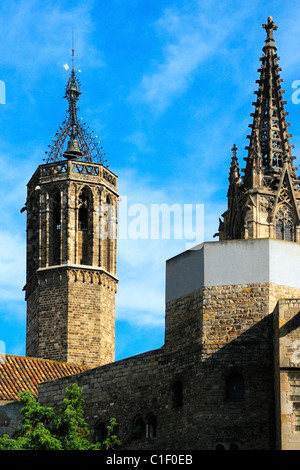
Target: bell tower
point(265, 201)
point(71, 248)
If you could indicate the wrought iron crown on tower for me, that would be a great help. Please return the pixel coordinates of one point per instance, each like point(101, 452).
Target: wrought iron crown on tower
point(82, 145)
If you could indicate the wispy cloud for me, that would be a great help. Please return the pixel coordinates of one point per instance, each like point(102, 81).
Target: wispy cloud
point(39, 34)
point(188, 38)
point(140, 140)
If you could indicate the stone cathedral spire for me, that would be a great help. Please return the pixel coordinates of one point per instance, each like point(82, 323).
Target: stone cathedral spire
point(265, 201)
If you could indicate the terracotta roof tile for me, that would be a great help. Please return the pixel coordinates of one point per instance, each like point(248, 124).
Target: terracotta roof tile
point(18, 374)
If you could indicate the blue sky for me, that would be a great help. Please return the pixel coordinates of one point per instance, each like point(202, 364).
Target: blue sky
point(168, 86)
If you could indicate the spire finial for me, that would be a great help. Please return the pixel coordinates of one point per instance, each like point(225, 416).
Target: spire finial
point(73, 53)
point(234, 150)
point(270, 26)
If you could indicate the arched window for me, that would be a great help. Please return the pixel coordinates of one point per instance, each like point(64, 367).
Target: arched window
point(235, 386)
point(84, 226)
point(55, 227)
point(83, 205)
point(285, 229)
point(220, 447)
point(138, 431)
point(101, 432)
point(150, 426)
point(177, 394)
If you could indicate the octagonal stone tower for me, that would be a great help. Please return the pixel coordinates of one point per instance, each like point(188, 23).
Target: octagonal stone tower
point(71, 249)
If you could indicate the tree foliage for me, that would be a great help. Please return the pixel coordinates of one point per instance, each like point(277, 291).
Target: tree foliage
point(43, 429)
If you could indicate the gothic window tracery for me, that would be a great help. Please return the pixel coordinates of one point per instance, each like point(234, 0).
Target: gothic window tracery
point(285, 224)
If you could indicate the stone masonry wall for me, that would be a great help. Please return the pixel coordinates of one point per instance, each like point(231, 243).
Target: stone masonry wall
point(47, 316)
point(10, 417)
point(287, 373)
point(72, 317)
point(91, 318)
point(32, 324)
point(229, 332)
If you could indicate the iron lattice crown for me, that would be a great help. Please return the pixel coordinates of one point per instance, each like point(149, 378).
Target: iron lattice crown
point(82, 145)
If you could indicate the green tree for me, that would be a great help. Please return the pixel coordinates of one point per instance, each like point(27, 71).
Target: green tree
point(43, 429)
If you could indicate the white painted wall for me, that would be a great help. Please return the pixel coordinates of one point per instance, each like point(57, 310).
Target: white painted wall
point(233, 262)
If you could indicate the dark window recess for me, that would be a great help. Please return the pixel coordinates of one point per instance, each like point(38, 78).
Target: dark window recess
point(56, 226)
point(233, 447)
point(83, 218)
point(226, 446)
point(83, 204)
point(84, 227)
point(151, 426)
point(101, 432)
point(235, 386)
point(177, 394)
point(138, 431)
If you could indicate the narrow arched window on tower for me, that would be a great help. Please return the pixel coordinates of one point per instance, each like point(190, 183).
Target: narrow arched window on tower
point(84, 227)
point(177, 394)
point(285, 228)
point(83, 210)
point(56, 227)
point(235, 386)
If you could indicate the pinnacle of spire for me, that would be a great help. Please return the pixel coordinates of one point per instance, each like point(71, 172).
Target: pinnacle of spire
point(270, 26)
point(234, 174)
point(72, 94)
point(234, 167)
point(81, 144)
point(269, 138)
point(234, 150)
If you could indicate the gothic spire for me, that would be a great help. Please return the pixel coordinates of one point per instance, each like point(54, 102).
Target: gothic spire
point(269, 138)
point(270, 186)
point(234, 173)
point(81, 144)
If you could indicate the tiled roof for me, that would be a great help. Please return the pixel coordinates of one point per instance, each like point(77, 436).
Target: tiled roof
point(18, 374)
